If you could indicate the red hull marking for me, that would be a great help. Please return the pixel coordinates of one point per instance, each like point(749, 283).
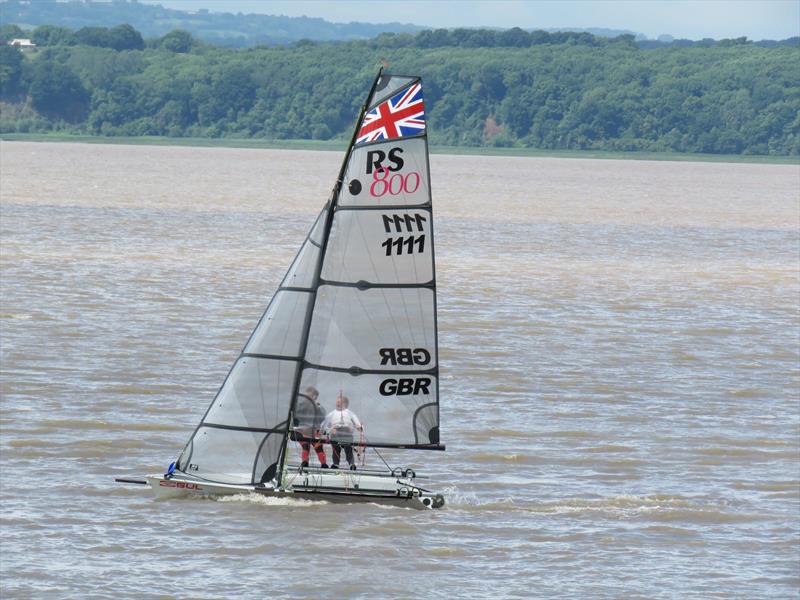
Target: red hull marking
point(179, 484)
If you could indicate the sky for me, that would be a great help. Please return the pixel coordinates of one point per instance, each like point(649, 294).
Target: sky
point(692, 19)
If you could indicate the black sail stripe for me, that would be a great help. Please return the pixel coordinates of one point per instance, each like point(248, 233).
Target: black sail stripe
point(433, 371)
point(271, 356)
point(278, 429)
point(366, 285)
point(426, 206)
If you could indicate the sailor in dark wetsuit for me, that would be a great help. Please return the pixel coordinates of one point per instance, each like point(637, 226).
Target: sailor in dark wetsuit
point(308, 417)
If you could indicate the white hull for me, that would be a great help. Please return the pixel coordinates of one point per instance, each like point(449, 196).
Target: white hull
point(310, 484)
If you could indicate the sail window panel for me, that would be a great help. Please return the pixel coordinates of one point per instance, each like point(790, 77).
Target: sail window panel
point(387, 86)
point(395, 409)
point(379, 328)
point(393, 173)
point(426, 422)
point(269, 453)
point(228, 456)
point(256, 394)
point(280, 330)
point(379, 246)
point(301, 273)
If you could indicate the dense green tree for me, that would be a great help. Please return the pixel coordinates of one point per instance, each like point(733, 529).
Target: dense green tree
point(49, 35)
point(177, 40)
point(514, 37)
point(10, 32)
point(121, 37)
point(125, 37)
point(94, 36)
point(10, 71)
point(100, 68)
point(434, 38)
point(57, 92)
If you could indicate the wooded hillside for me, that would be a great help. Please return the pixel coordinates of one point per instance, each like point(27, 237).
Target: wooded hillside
point(511, 88)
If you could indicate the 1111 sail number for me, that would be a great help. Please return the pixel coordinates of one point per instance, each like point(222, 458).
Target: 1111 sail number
point(400, 223)
point(396, 245)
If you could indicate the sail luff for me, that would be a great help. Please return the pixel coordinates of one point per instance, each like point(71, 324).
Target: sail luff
point(317, 271)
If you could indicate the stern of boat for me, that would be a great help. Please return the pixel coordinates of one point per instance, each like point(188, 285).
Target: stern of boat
point(359, 486)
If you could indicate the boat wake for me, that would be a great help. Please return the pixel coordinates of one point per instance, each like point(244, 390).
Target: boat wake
point(628, 505)
point(270, 500)
point(455, 497)
point(661, 509)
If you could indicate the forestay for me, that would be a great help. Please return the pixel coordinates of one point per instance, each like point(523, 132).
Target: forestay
point(354, 315)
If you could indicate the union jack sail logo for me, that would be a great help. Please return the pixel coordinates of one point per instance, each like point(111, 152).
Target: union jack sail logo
point(402, 114)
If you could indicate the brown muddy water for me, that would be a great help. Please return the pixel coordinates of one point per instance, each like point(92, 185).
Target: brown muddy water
point(620, 360)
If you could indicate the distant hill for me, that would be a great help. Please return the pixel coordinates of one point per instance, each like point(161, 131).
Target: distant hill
point(222, 29)
point(248, 30)
point(596, 31)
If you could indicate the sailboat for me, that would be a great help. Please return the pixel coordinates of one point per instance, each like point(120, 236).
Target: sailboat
point(352, 325)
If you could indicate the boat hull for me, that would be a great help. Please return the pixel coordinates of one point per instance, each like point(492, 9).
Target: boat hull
point(313, 484)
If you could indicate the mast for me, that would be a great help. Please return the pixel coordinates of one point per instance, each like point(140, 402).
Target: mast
point(331, 205)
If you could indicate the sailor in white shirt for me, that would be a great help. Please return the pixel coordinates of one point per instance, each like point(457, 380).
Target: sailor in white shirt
point(340, 424)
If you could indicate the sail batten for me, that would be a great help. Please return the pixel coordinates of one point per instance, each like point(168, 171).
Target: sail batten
point(361, 284)
point(271, 356)
point(354, 370)
point(384, 207)
point(278, 429)
point(353, 318)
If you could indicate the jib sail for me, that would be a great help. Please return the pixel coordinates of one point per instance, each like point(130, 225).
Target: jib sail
point(355, 314)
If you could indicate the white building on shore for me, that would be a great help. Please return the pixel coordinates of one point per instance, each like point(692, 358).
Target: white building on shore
point(22, 43)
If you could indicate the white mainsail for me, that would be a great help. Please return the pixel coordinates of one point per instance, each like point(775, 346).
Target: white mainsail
point(354, 315)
